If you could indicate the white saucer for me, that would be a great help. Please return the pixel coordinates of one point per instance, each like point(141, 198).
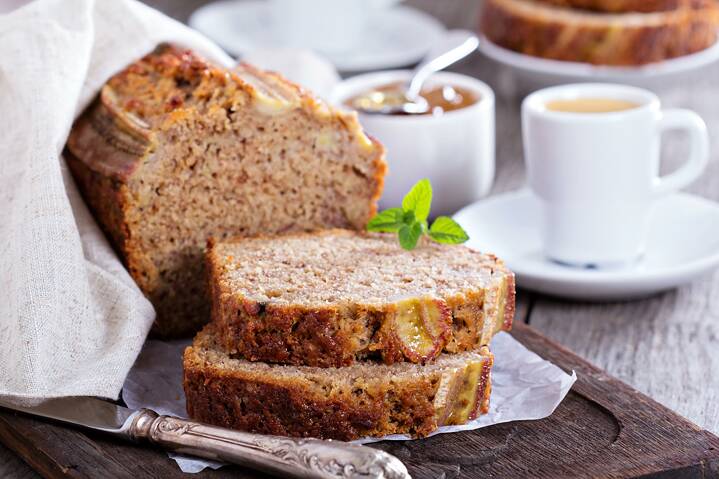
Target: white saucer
point(576, 70)
point(683, 244)
point(522, 74)
point(398, 36)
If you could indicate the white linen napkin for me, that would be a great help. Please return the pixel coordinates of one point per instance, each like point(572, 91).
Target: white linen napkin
point(72, 321)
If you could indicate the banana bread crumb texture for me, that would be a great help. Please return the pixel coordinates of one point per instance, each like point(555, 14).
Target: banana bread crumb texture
point(365, 399)
point(335, 297)
point(175, 150)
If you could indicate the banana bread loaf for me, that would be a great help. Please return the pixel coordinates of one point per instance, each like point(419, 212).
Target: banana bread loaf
point(175, 150)
point(365, 399)
point(334, 297)
point(623, 6)
point(627, 39)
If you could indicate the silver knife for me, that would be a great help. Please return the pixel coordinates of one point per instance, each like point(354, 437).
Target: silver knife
point(285, 456)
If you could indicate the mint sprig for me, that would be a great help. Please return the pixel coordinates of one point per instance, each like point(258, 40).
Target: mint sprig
point(410, 221)
point(446, 230)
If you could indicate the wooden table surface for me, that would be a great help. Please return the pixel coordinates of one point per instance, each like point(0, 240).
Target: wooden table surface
point(666, 346)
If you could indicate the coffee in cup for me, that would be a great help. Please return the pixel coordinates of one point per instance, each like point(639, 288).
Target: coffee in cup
point(590, 105)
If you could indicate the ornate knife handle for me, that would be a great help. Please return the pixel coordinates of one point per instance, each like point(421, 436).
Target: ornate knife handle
point(289, 457)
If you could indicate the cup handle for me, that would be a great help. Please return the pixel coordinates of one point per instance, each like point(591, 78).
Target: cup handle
point(687, 120)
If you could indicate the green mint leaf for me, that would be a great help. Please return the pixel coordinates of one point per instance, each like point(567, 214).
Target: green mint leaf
point(409, 235)
point(419, 200)
point(446, 230)
point(410, 221)
point(387, 221)
point(408, 218)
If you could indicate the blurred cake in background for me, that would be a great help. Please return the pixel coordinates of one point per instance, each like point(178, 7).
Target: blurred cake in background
point(624, 6)
point(602, 32)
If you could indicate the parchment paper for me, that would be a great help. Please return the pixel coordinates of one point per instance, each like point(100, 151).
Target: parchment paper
point(524, 386)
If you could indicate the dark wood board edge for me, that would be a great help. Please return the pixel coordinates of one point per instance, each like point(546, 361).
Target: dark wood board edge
point(56, 451)
point(33, 456)
point(625, 404)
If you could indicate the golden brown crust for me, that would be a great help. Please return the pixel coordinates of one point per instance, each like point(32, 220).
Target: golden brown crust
point(624, 6)
point(118, 136)
point(380, 171)
point(292, 401)
point(510, 303)
point(602, 39)
point(339, 334)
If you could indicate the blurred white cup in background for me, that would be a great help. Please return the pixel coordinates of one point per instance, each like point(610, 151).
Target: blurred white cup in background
point(324, 25)
point(455, 150)
point(597, 174)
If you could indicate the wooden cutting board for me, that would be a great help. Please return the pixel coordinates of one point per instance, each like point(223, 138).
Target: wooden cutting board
point(604, 428)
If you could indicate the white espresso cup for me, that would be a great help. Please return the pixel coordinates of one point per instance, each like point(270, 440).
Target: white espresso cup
point(597, 174)
point(455, 150)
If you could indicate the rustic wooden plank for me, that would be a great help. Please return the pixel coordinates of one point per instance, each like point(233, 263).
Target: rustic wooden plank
point(523, 307)
point(666, 346)
point(57, 451)
point(453, 13)
point(637, 416)
point(12, 467)
point(604, 428)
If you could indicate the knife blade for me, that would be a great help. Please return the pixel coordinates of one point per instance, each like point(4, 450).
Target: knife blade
point(285, 456)
point(82, 411)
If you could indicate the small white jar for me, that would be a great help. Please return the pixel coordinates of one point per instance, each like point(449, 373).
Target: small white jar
point(455, 149)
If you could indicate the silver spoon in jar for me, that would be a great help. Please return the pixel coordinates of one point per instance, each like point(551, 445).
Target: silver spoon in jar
point(455, 45)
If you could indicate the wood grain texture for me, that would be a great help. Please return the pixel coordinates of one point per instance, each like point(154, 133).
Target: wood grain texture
point(12, 467)
point(58, 451)
point(666, 346)
point(603, 428)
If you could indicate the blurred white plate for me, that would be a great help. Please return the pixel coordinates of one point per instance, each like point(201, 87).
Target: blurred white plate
point(683, 245)
point(398, 36)
point(595, 72)
point(527, 73)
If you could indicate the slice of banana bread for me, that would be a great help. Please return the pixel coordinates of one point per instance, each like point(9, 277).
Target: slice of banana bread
point(365, 399)
point(336, 296)
point(175, 150)
point(625, 39)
